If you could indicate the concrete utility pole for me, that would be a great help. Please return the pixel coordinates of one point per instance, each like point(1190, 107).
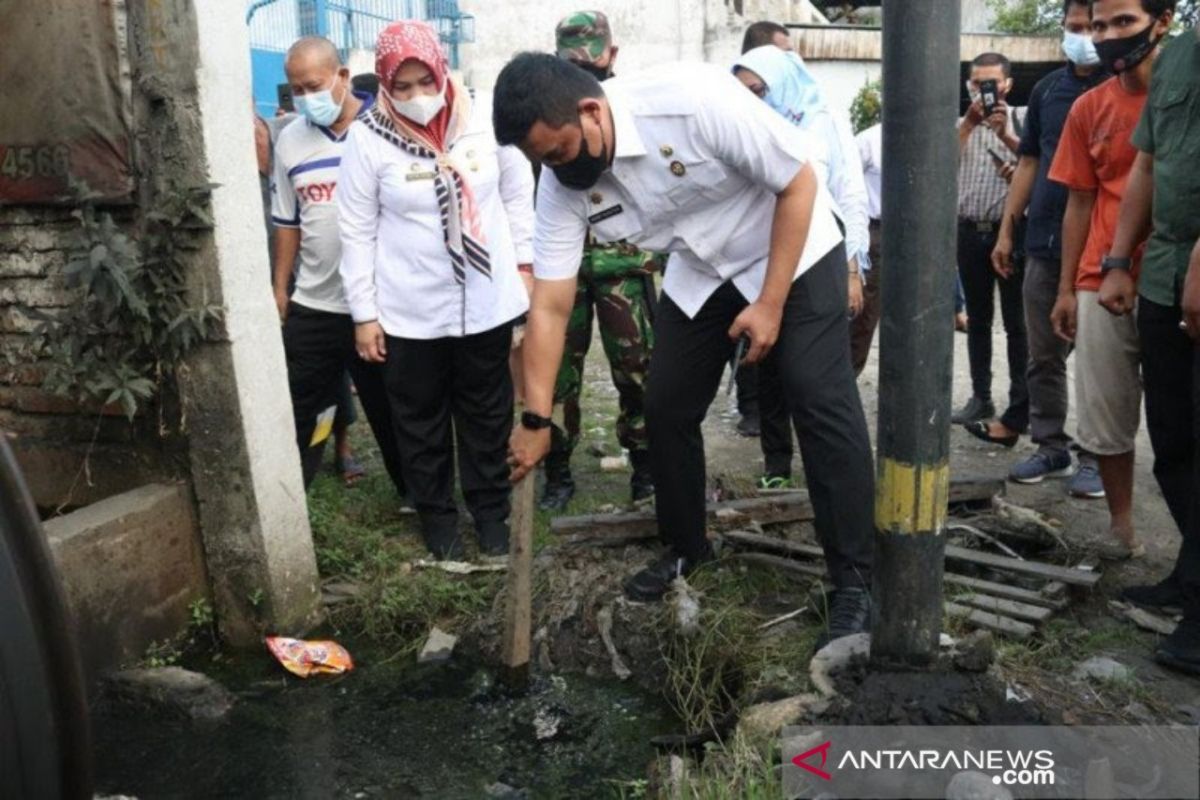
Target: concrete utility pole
point(920, 170)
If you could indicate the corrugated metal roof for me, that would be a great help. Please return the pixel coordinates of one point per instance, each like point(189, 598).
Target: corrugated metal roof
point(856, 43)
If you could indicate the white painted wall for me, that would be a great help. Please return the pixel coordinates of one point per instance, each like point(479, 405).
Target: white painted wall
point(648, 32)
point(842, 80)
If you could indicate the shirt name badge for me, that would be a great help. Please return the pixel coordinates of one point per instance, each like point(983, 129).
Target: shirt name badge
point(607, 213)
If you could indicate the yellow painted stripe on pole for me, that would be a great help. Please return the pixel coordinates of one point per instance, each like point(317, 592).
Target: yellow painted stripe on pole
point(912, 498)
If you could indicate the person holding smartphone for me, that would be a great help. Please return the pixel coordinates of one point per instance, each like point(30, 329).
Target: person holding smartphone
point(988, 136)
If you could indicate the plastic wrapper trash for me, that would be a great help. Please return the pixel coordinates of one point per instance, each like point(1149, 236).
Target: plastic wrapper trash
point(307, 658)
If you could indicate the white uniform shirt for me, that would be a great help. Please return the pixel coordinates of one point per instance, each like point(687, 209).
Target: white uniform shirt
point(870, 150)
point(307, 158)
point(845, 180)
point(395, 265)
point(697, 166)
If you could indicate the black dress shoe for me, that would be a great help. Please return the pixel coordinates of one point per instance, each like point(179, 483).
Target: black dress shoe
point(980, 431)
point(560, 488)
point(1164, 594)
point(975, 410)
point(442, 538)
point(849, 613)
point(650, 584)
point(749, 426)
point(641, 484)
point(493, 538)
point(1181, 650)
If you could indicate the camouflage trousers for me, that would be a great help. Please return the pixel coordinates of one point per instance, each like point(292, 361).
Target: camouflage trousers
point(623, 309)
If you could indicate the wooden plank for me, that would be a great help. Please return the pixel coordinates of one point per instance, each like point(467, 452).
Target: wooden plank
point(773, 544)
point(1007, 592)
point(974, 489)
point(768, 510)
point(990, 621)
point(793, 507)
point(1052, 572)
point(518, 612)
point(1009, 608)
point(787, 564)
point(776, 545)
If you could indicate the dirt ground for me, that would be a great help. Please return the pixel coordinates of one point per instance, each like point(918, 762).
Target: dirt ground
point(1154, 693)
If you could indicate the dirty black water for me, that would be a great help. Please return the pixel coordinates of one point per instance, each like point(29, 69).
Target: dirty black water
point(387, 730)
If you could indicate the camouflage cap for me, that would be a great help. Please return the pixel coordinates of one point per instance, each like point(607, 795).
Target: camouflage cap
point(583, 36)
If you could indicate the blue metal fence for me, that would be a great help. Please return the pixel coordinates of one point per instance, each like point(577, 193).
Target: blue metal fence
point(349, 24)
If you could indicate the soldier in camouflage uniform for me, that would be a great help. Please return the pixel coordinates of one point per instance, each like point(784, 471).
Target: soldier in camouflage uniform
point(616, 287)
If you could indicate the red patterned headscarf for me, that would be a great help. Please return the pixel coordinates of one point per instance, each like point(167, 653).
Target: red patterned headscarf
point(417, 41)
point(462, 225)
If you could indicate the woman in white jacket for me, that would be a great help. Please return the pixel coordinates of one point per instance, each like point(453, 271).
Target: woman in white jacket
point(436, 224)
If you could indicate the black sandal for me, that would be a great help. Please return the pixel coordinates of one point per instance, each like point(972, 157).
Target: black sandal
point(980, 431)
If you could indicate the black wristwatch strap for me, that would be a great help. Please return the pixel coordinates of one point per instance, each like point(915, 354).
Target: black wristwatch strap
point(534, 422)
point(1109, 263)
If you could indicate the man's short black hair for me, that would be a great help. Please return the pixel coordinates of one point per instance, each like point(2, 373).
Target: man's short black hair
point(1068, 3)
point(538, 86)
point(994, 60)
point(762, 33)
point(1155, 8)
point(365, 82)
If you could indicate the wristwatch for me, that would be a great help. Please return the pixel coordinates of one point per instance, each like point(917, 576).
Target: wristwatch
point(533, 422)
point(1109, 263)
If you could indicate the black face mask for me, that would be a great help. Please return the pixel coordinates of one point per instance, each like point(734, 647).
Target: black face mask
point(1119, 55)
point(599, 73)
point(583, 172)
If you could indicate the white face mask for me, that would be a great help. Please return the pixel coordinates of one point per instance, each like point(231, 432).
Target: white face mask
point(422, 108)
point(1079, 49)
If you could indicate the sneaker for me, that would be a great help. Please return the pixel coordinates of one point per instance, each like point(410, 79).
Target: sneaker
point(1181, 650)
point(559, 489)
point(641, 483)
point(749, 426)
point(1041, 465)
point(1164, 594)
point(650, 584)
point(775, 483)
point(975, 410)
point(849, 613)
point(1086, 482)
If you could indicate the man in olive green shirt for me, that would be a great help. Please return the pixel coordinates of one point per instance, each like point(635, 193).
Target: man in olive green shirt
point(1165, 179)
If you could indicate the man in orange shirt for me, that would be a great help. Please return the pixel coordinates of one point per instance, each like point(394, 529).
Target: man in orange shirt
point(1093, 161)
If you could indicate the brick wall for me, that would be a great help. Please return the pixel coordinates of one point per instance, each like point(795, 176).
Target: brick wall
point(70, 455)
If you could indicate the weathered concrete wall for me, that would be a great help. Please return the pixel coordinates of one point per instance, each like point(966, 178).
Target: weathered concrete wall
point(71, 455)
point(130, 565)
point(647, 33)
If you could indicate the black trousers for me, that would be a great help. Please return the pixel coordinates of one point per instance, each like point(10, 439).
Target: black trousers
point(979, 287)
point(813, 354)
point(447, 392)
point(1171, 379)
point(319, 347)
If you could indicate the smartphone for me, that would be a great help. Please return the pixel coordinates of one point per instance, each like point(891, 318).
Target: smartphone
point(999, 159)
point(989, 92)
point(283, 92)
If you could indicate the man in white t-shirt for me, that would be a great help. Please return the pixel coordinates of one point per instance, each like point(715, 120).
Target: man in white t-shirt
point(318, 333)
point(684, 160)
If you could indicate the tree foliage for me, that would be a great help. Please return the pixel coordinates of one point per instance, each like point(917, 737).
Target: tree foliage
point(135, 318)
point(1044, 17)
point(867, 108)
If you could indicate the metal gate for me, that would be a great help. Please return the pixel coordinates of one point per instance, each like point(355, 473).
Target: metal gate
point(349, 24)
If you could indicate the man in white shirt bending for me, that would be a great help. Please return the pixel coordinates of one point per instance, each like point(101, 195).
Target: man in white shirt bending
point(684, 160)
point(318, 333)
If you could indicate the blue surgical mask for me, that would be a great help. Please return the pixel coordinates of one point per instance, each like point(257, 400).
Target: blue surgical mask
point(319, 107)
point(1079, 49)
